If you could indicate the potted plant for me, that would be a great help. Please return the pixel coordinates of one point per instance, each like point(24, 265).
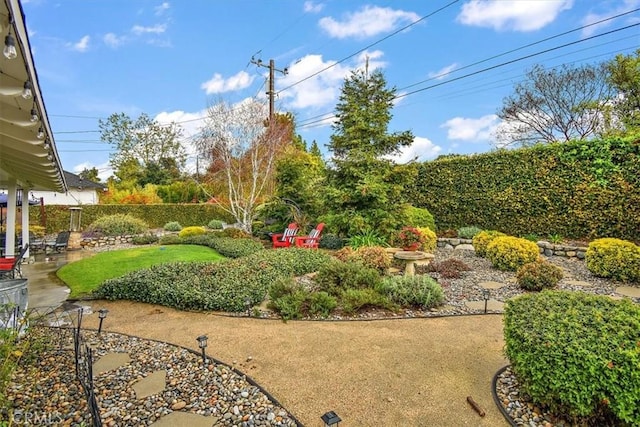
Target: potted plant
point(410, 239)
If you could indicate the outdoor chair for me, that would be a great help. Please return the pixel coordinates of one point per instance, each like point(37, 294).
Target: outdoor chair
point(286, 239)
point(10, 267)
point(35, 243)
point(312, 240)
point(60, 243)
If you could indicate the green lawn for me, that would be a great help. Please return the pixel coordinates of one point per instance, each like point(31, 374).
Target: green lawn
point(85, 275)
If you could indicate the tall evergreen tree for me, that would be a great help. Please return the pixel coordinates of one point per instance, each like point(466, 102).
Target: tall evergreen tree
point(365, 186)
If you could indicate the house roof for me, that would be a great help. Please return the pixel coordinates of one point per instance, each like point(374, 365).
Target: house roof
point(75, 181)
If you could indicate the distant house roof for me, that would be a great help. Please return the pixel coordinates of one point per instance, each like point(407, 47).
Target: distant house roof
point(75, 181)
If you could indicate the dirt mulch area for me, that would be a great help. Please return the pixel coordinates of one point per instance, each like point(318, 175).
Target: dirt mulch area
point(404, 372)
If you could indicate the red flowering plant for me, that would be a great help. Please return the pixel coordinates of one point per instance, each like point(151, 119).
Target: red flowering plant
point(409, 238)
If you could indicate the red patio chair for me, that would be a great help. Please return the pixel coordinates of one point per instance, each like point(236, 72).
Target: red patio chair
point(284, 240)
point(312, 240)
point(10, 267)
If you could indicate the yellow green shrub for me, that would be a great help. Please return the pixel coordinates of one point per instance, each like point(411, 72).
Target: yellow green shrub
point(510, 253)
point(614, 258)
point(538, 275)
point(192, 231)
point(430, 239)
point(482, 239)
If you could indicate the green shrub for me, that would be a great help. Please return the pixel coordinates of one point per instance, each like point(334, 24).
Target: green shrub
point(192, 231)
point(292, 261)
point(281, 287)
point(215, 224)
point(430, 239)
point(172, 226)
point(532, 237)
point(538, 275)
point(331, 241)
point(344, 254)
point(415, 291)
point(321, 304)
point(336, 275)
point(354, 300)
point(145, 239)
point(234, 233)
point(288, 299)
point(170, 239)
point(449, 268)
point(233, 248)
point(576, 353)
point(419, 217)
point(468, 232)
point(614, 258)
point(117, 225)
point(370, 238)
point(373, 257)
point(509, 253)
point(482, 240)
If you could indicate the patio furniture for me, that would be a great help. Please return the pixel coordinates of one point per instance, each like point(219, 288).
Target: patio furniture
point(35, 243)
point(285, 240)
point(61, 242)
point(312, 240)
point(10, 267)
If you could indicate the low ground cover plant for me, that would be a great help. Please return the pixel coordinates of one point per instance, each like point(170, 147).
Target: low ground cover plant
point(577, 354)
point(509, 253)
point(450, 268)
point(412, 291)
point(538, 275)
point(614, 258)
point(220, 286)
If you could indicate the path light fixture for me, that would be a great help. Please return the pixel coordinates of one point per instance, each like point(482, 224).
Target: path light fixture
point(330, 419)
point(102, 314)
point(486, 294)
point(202, 343)
point(247, 304)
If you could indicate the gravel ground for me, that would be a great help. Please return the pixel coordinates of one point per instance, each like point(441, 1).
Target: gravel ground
point(370, 373)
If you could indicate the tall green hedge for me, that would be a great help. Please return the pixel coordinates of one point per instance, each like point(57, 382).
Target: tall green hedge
point(58, 216)
point(577, 189)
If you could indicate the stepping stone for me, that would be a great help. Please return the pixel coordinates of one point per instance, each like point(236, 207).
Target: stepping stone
point(578, 283)
point(185, 419)
point(110, 361)
point(629, 291)
point(491, 285)
point(152, 384)
point(465, 247)
point(492, 305)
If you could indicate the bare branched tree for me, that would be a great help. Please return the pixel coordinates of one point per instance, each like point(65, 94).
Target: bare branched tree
point(558, 104)
point(242, 150)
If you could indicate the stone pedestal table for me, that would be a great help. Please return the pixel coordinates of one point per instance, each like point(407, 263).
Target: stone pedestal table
point(411, 258)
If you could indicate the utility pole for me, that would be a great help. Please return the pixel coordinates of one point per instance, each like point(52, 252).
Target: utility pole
point(271, 92)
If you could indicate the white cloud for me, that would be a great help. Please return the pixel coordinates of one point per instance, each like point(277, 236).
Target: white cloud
point(311, 7)
point(443, 72)
point(112, 40)
point(82, 45)
point(156, 29)
point(421, 150)
point(512, 14)
point(162, 8)
point(466, 129)
point(595, 17)
point(218, 84)
point(367, 22)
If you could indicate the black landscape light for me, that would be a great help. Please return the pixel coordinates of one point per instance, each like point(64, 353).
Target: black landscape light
point(330, 419)
point(247, 304)
point(486, 293)
point(102, 314)
point(202, 343)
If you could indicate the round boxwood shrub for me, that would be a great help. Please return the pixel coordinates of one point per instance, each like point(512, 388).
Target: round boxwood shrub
point(510, 253)
point(419, 217)
point(430, 239)
point(117, 225)
point(538, 275)
point(215, 224)
point(192, 231)
point(331, 241)
point(172, 226)
point(482, 240)
point(577, 354)
point(614, 258)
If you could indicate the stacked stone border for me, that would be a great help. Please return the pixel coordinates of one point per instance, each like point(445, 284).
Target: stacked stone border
point(546, 248)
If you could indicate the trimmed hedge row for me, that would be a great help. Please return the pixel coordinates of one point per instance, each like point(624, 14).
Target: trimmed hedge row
point(577, 189)
point(156, 216)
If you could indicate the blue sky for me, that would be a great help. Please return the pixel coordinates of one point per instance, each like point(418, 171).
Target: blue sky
point(171, 59)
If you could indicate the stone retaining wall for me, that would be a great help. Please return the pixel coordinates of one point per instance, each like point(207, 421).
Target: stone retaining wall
point(546, 248)
point(92, 242)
